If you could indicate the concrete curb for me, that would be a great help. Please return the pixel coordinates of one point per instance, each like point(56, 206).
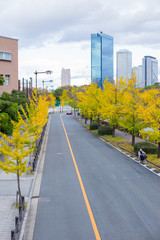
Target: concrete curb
point(153, 170)
point(40, 162)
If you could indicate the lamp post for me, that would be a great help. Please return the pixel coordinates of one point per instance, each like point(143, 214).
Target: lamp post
point(46, 72)
point(44, 82)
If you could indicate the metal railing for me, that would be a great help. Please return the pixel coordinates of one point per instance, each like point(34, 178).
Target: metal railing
point(38, 148)
point(18, 221)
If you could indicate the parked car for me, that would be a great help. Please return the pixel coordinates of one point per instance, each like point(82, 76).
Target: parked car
point(69, 112)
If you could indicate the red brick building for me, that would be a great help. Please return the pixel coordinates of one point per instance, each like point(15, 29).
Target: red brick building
point(9, 63)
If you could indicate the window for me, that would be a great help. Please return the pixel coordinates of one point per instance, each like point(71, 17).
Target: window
point(7, 80)
point(5, 56)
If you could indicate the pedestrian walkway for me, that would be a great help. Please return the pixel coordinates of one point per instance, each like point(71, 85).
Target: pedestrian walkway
point(7, 216)
point(128, 136)
point(118, 133)
point(8, 189)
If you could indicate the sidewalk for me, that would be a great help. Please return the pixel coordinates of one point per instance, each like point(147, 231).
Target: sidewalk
point(8, 188)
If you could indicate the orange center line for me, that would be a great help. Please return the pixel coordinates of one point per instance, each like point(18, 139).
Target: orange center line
point(82, 188)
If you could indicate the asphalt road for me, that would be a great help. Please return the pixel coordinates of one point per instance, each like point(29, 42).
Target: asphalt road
point(123, 195)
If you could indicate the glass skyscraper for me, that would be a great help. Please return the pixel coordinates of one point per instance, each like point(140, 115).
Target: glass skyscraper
point(101, 58)
point(150, 70)
point(124, 64)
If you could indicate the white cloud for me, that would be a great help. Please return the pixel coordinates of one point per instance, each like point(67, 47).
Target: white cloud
point(55, 34)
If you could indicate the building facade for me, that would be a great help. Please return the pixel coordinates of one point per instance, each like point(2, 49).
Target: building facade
point(101, 58)
point(9, 64)
point(124, 64)
point(138, 72)
point(65, 77)
point(150, 70)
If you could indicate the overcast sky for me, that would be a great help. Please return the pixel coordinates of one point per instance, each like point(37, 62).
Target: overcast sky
point(56, 33)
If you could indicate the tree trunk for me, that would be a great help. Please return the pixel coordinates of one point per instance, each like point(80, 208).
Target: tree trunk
point(158, 156)
point(19, 189)
point(85, 120)
point(90, 120)
point(98, 122)
point(133, 139)
point(113, 131)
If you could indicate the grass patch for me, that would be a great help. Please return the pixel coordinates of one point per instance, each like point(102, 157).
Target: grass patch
point(128, 146)
point(86, 125)
point(153, 158)
point(121, 142)
point(95, 131)
point(116, 139)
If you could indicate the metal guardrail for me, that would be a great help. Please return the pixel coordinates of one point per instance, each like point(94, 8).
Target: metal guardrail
point(39, 143)
point(18, 221)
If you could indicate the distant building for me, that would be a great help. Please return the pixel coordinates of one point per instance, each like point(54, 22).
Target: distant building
point(150, 70)
point(101, 58)
point(9, 63)
point(65, 77)
point(124, 64)
point(138, 71)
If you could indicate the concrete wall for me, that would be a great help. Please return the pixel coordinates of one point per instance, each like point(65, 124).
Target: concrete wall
point(9, 67)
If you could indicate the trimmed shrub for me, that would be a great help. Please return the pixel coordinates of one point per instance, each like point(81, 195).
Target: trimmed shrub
point(147, 147)
point(105, 130)
point(93, 126)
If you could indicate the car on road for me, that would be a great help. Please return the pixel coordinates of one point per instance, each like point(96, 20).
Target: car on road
point(69, 112)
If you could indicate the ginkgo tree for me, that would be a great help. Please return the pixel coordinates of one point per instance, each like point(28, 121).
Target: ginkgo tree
point(149, 111)
point(64, 98)
point(73, 99)
point(25, 134)
point(113, 98)
point(130, 119)
point(90, 102)
point(36, 117)
point(15, 151)
point(83, 104)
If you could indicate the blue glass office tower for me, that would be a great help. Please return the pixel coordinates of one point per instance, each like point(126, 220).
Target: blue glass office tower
point(101, 58)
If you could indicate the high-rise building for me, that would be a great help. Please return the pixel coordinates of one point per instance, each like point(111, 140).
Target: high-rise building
point(150, 70)
point(101, 58)
point(138, 72)
point(65, 77)
point(124, 64)
point(9, 64)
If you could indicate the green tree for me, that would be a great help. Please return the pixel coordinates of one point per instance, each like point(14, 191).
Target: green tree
point(58, 93)
point(1, 80)
point(5, 124)
point(10, 109)
point(16, 97)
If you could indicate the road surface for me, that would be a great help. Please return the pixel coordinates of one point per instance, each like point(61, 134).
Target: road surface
point(90, 190)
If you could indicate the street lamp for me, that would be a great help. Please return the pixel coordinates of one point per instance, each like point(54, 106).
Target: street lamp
point(44, 82)
point(46, 72)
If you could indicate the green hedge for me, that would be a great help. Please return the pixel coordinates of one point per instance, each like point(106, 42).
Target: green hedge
point(147, 147)
point(93, 126)
point(105, 130)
